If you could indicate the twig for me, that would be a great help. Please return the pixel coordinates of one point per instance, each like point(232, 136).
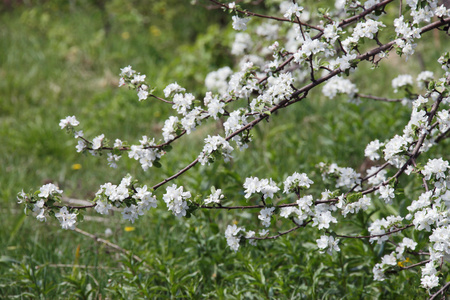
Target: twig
point(161, 99)
point(249, 13)
point(281, 233)
point(375, 235)
point(378, 98)
point(109, 244)
point(446, 286)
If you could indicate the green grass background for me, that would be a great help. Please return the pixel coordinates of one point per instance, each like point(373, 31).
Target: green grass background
point(62, 58)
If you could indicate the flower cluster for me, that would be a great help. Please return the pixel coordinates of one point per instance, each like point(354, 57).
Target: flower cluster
point(42, 205)
point(297, 181)
point(175, 199)
point(295, 58)
point(215, 145)
point(135, 80)
point(267, 187)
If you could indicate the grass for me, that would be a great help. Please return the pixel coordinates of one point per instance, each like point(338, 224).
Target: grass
point(58, 60)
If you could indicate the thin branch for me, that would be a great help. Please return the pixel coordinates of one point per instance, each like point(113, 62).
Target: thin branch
point(111, 245)
point(425, 184)
point(416, 265)
point(273, 237)
point(378, 98)
point(375, 235)
point(408, 267)
point(441, 291)
point(443, 136)
point(161, 99)
point(249, 13)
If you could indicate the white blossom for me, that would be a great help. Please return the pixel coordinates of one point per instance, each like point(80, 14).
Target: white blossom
point(328, 243)
point(97, 142)
point(297, 180)
point(69, 122)
point(265, 214)
point(294, 10)
point(48, 190)
point(401, 81)
point(215, 197)
point(67, 220)
point(232, 236)
point(173, 88)
point(240, 23)
point(175, 199)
